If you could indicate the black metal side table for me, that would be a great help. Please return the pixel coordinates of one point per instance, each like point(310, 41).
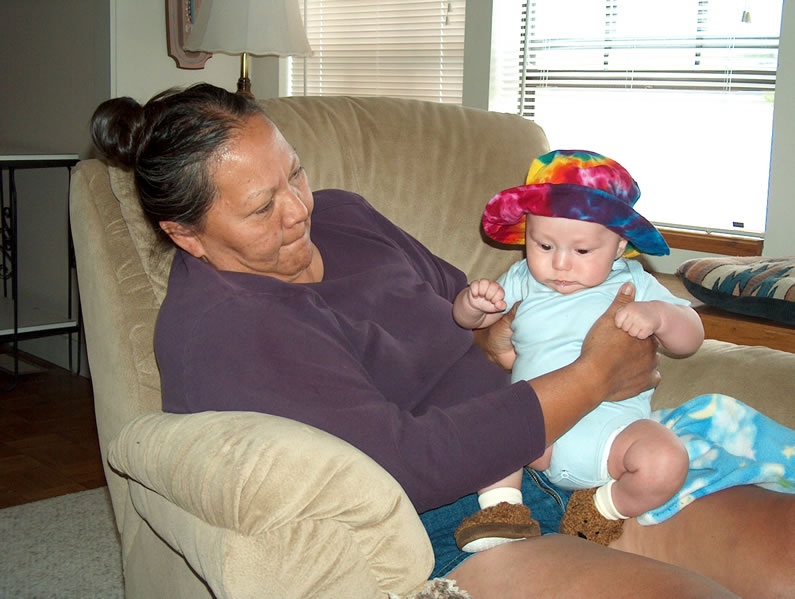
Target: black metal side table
point(9, 265)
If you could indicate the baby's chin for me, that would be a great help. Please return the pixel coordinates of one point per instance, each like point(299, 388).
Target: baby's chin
point(565, 287)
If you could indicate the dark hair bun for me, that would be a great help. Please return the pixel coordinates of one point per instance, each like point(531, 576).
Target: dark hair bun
point(115, 130)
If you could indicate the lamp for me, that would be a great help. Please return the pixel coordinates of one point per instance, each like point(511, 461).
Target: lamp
point(257, 27)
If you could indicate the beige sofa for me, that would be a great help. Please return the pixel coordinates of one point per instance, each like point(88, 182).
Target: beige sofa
point(250, 505)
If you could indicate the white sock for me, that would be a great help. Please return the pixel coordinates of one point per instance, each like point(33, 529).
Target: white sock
point(494, 496)
point(603, 500)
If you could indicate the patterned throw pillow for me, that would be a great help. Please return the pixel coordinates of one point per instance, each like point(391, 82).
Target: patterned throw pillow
point(755, 286)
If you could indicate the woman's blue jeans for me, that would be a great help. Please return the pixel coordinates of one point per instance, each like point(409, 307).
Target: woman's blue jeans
point(546, 503)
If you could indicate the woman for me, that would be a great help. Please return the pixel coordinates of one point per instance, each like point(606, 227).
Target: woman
point(317, 308)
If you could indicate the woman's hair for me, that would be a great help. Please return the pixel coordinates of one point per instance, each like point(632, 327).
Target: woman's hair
point(169, 144)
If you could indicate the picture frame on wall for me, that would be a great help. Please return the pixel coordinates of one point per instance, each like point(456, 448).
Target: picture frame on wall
point(179, 21)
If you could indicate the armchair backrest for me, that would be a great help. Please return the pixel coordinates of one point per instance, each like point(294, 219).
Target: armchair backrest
point(428, 167)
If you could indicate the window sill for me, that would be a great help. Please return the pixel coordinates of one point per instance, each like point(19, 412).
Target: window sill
point(713, 243)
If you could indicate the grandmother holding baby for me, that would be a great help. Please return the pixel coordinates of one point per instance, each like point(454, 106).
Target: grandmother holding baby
point(315, 307)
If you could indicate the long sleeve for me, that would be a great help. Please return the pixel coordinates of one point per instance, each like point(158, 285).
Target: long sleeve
point(371, 355)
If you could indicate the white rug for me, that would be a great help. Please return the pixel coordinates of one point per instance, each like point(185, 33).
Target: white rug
point(61, 548)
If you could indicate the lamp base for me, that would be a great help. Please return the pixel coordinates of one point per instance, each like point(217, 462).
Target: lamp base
point(244, 87)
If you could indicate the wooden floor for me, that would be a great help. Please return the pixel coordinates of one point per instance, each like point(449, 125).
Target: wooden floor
point(48, 436)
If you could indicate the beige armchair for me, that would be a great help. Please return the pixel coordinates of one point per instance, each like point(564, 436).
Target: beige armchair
point(250, 505)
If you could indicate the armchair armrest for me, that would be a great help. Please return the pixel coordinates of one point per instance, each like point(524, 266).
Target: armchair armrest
point(265, 506)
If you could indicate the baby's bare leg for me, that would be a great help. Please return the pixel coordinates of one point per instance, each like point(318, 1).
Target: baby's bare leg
point(649, 464)
point(542, 463)
point(513, 481)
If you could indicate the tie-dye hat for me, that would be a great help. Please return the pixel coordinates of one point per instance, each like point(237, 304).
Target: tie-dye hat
point(575, 184)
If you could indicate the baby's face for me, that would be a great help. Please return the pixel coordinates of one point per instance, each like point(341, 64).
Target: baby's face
point(568, 255)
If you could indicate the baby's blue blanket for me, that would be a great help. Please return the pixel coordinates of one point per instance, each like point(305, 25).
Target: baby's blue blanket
point(729, 444)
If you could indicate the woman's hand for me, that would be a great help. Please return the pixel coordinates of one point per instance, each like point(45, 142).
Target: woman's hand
point(495, 340)
point(623, 364)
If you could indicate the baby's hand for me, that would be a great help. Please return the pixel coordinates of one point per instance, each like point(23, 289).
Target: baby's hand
point(639, 319)
point(486, 296)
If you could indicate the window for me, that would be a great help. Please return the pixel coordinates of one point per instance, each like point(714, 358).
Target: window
point(399, 48)
point(680, 92)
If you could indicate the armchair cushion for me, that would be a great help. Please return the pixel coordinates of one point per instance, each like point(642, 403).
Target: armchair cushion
point(156, 253)
point(228, 489)
point(758, 376)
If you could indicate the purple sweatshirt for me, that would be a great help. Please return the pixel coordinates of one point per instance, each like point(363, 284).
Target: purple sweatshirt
point(371, 354)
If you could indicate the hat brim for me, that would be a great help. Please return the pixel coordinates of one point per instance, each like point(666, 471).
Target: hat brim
point(504, 215)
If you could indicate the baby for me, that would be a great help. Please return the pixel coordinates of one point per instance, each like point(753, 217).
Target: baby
point(575, 215)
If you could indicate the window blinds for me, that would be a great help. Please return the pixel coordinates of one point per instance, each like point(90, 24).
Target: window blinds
point(400, 48)
point(680, 92)
point(680, 45)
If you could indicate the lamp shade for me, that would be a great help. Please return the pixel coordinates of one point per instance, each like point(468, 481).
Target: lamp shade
point(258, 27)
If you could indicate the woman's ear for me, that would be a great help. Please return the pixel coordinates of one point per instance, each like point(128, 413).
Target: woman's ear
point(184, 237)
point(622, 245)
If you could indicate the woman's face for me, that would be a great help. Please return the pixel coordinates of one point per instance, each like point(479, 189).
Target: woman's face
point(260, 219)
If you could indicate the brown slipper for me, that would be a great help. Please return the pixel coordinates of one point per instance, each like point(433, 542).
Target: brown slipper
point(583, 520)
point(494, 526)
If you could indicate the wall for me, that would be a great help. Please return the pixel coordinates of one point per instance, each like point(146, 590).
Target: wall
point(53, 56)
point(54, 61)
point(781, 204)
point(59, 61)
point(141, 67)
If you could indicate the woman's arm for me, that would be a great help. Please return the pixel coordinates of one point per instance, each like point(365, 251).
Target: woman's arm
point(495, 340)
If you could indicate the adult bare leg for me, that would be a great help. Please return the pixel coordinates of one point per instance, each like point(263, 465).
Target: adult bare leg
point(562, 566)
point(742, 538)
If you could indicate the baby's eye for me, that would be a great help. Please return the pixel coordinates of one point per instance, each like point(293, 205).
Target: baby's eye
point(583, 252)
point(545, 246)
